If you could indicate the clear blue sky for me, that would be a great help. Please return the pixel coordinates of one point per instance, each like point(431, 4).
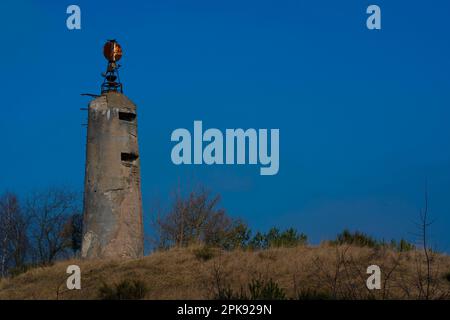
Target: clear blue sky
point(363, 115)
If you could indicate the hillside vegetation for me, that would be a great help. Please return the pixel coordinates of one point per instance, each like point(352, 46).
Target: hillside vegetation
point(302, 272)
point(201, 252)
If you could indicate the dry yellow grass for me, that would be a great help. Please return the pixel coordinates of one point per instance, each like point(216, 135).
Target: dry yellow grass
point(337, 272)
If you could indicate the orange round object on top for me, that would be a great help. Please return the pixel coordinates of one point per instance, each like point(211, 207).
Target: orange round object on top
point(112, 51)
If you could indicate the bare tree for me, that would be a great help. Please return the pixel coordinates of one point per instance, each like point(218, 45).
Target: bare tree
point(427, 268)
point(195, 219)
point(424, 224)
point(13, 234)
point(73, 230)
point(8, 205)
point(51, 212)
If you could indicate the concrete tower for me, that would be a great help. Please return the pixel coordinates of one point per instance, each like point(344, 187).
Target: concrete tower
point(112, 225)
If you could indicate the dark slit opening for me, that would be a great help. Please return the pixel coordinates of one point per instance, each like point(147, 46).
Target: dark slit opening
point(128, 157)
point(127, 116)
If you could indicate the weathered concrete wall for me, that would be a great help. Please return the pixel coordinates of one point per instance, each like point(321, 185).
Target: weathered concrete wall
point(113, 225)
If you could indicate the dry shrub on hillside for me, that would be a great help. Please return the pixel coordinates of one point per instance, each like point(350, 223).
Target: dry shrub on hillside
point(328, 272)
point(303, 272)
point(124, 290)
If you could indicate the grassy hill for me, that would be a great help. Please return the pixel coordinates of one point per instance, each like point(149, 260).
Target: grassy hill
point(302, 272)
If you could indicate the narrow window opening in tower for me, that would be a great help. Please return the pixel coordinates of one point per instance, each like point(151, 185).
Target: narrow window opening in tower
point(128, 157)
point(127, 116)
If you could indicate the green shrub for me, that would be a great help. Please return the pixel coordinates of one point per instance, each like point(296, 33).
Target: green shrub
point(288, 238)
point(258, 241)
point(236, 236)
point(227, 293)
point(356, 238)
point(204, 253)
point(257, 289)
point(265, 290)
point(124, 290)
point(275, 239)
point(312, 294)
point(405, 246)
point(363, 240)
